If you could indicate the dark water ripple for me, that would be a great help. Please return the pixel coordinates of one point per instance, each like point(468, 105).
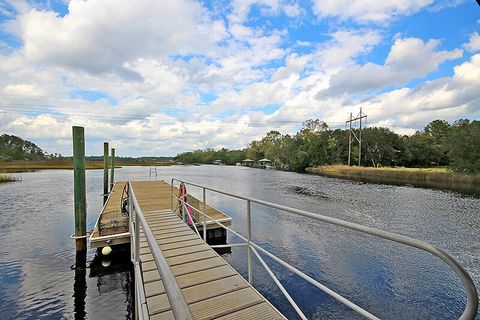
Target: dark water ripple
point(38, 278)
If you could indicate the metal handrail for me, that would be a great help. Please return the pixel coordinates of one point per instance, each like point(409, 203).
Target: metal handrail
point(471, 307)
point(175, 296)
point(251, 248)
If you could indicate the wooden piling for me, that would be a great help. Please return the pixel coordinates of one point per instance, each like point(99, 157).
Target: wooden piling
point(112, 171)
point(105, 171)
point(79, 196)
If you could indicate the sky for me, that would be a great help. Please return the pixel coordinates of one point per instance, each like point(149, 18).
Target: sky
point(161, 77)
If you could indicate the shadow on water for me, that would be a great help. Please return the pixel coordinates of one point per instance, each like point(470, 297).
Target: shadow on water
point(109, 273)
point(116, 262)
point(80, 285)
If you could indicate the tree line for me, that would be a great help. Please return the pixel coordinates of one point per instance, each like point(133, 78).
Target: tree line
point(440, 143)
point(15, 148)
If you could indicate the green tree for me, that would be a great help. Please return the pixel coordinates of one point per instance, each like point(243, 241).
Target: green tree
point(438, 131)
point(464, 146)
point(382, 147)
point(15, 148)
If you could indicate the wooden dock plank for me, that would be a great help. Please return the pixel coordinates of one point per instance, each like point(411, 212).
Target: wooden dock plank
point(220, 305)
point(177, 252)
point(188, 236)
point(159, 303)
point(260, 311)
point(171, 234)
point(191, 257)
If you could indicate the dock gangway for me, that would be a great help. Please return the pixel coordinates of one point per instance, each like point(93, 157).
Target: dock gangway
point(180, 306)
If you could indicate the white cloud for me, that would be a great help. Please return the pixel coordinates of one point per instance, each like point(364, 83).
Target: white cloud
point(175, 70)
point(473, 43)
point(403, 109)
point(364, 11)
point(100, 36)
point(344, 47)
point(241, 8)
point(294, 65)
point(408, 59)
point(293, 10)
point(445, 98)
point(257, 94)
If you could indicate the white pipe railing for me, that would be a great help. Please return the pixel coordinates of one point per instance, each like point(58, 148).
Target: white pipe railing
point(471, 307)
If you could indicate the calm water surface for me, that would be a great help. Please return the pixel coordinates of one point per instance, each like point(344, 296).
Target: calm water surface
point(38, 278)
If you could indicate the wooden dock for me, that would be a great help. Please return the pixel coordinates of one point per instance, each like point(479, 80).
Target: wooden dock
point(212, 288)
point(112, 226)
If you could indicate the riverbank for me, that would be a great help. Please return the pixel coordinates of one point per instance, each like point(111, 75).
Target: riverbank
point(424, 177)
point(19, 166)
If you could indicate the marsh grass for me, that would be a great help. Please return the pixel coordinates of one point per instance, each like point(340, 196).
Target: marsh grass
point(18, 166)
point(8, 177)
point(430, 177)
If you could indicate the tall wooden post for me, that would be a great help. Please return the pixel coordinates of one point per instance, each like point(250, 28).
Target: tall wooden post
point(105, 172)
point(112, 171)
point(79, 197)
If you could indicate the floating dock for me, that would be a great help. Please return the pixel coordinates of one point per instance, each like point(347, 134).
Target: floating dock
point(111, 227)
point(211, 287)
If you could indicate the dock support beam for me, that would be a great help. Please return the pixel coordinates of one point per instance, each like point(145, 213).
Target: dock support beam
point(112, 171)
point(79, 197)
point(105, 172)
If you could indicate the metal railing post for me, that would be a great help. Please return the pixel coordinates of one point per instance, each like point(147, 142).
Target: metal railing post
point(249, 221)
point(171, 196)
point(130, 223)
point(204, 217)
point(137, 237)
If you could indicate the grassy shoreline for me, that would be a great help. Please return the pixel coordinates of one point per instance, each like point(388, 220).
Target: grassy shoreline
point(424, 177)
point(19, 166)
point(7, 177)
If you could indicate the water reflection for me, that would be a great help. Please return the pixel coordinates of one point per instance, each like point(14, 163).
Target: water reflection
point(80, 285)
point(36, 221)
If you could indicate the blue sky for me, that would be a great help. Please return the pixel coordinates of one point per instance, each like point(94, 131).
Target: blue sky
point(158, 78)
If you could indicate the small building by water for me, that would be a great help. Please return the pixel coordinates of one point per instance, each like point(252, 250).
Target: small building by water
point(218, 162)
point(264, 163)
point(248, 162)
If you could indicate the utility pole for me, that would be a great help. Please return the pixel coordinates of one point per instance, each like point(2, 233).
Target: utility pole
point(359, 117)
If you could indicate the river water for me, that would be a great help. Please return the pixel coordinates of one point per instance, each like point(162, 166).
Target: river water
point(38, 278)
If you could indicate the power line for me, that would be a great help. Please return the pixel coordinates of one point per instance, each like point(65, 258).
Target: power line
point(73, 112)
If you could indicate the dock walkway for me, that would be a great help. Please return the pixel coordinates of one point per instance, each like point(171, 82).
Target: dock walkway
point(212, 288)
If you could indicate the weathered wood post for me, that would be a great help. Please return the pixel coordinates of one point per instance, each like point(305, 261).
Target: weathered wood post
point(79, 197)
point(105, 172)
point(112, 171)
